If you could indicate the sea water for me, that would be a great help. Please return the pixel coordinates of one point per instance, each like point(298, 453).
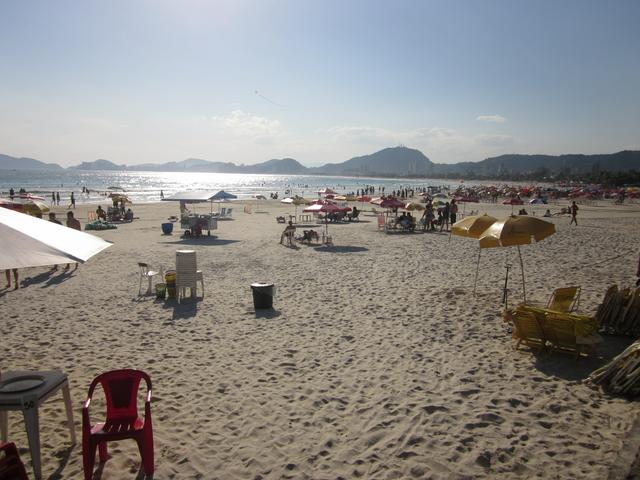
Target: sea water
point(142, 187)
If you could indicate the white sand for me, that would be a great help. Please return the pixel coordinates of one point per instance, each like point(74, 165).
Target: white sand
point(378, 361)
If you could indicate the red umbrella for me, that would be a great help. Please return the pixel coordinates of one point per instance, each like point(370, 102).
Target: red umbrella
point(513, 201)
point(11, 205)
point(326, 207)
point(391, 202)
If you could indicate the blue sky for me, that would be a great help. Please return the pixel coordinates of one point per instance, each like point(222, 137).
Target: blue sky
point(141, 81)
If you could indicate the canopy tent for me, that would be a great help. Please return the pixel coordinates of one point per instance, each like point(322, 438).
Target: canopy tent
point(32, 242)
point(199, 196)
point(191, 196)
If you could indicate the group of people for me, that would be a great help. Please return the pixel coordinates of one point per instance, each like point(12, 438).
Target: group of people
point(444, 215)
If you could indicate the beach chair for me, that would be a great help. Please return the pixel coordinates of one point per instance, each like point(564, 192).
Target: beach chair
point(564, 299)
point(561, 333)
point(528, 329)
point(229, 212)
point(11, 467)
point(146, 272)
point(122, 421)
point(381, 222)
point(187, 274)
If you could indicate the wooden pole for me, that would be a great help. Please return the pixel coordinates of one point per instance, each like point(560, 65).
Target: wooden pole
point(524, 292)
point(475, 282)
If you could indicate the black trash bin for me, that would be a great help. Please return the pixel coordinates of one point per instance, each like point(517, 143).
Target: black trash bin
point(262, 295)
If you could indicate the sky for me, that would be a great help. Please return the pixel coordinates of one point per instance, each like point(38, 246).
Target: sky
point(153, 81)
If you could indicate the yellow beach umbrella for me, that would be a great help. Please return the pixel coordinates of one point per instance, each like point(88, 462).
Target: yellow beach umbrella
point(516, 231)
point(473, 227)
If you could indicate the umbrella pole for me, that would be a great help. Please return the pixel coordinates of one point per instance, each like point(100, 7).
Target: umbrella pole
point(475, 281)
point(524, 292)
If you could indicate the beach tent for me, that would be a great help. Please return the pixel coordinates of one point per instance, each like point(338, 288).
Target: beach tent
point(516, 231)
point(32, 242)
point(192, 196)
point(295, 201)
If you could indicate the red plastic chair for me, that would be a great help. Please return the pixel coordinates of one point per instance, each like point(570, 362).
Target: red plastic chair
point(121, 392)
point(11, 467)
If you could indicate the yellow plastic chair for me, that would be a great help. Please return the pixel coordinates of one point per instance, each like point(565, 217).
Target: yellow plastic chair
point(528, 329)
point(561, 330)
point(564, 299)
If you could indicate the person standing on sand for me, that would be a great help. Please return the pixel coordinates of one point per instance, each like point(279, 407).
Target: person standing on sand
point(57, 198)
point(72, 223)
point(73, 202)
point(15, 278)
point(574, 212)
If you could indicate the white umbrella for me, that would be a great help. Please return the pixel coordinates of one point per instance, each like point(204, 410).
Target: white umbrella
point(31, 242)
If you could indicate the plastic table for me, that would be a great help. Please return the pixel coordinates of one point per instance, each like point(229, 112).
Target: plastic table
point(27, 395)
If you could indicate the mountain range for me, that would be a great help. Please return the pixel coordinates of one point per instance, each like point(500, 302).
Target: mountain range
point(389, 162)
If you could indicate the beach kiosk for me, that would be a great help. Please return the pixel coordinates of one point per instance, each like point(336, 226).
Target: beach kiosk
point(191, 222)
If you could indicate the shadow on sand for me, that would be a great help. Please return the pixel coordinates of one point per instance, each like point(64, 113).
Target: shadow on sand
point(564, 366)
point(205, 240)
point(188, 308)
point(340, 249)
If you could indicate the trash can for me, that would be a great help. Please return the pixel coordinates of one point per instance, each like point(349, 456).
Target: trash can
point(170, 281)
point(167, 228)
point(262, 295)
point(161, 291)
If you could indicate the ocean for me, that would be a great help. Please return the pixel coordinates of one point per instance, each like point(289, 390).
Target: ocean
point(143, 187)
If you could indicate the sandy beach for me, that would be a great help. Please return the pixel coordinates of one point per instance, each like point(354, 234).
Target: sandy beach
point(376, 362)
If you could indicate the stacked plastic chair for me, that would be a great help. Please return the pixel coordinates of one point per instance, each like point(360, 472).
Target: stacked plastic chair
point(187, 274)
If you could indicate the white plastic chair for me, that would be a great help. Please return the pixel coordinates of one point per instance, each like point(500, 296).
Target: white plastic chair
point(187, 274)
point(146, 272)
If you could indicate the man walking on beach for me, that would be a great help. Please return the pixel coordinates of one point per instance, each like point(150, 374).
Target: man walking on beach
point(574, 212)
point(72, 223)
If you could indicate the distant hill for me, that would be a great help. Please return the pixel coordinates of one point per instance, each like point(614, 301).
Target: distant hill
point(14, 163)
point(397, 161)
point(389, 162)
point(544, 165)
point(100, 164)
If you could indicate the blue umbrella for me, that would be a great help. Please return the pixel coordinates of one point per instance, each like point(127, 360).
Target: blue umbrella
point(222, 195)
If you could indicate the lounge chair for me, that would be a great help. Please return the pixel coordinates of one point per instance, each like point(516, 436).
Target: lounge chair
point(381, 223)
point(564, 299)
point(561, 332)
point(528, 329)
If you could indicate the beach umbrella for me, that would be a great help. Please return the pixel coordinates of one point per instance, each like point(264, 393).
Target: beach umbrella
point(326, 208)
point(222, 195)
point(513, 201)
point(326, 191)
point(516, 231)
point(413, 206)
point(537, 201)
point(295, 201)
point(438, 202)
point(31, 206)
point(11, 205)
point(32, 242)
point(473, 227)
